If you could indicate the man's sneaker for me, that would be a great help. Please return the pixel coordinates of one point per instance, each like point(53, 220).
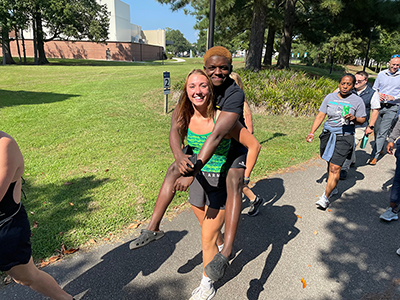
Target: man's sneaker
point(389, 215)
point(343, 174)
point(254, 206)
point(323, 202)
point(202, 293)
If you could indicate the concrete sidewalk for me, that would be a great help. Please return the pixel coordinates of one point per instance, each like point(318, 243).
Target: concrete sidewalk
point(345, 252)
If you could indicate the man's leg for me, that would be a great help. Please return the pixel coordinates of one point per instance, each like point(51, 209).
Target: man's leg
point(234, 184)
point(233, 208)
point(333, 178)
point(377, 131)
point(164, 198)
point(393, 211)
point(385, 125)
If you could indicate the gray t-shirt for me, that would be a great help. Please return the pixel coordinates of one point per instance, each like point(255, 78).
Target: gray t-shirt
point(333, 106)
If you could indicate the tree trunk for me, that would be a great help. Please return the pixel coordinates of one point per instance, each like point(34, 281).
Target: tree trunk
point(34, 41)
point(7, 58)
point(258, 25)
point(23, 45)
point(40, 41)
point(287, 31)
point(16, 40)
point(269, 46)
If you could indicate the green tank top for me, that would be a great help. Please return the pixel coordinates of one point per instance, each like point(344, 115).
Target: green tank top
point(217, 163)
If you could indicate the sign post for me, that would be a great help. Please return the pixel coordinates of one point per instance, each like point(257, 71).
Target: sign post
point(167, 89)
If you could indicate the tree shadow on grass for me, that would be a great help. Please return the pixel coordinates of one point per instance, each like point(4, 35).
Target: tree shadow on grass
point(13, 98)
point(65, 208)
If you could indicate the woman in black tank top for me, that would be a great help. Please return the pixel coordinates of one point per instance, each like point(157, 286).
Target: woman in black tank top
point(15, 250)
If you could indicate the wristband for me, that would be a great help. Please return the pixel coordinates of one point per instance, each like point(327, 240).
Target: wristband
point(311, 134)
point(246, 180)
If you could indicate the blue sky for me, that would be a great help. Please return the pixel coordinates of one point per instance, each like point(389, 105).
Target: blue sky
point(152, 15)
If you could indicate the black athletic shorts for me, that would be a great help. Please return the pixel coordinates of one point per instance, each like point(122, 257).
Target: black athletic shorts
point(343, 147)
point(15, 244)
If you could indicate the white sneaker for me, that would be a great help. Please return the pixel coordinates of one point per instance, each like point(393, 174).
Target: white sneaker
point(389, 215)
point(398, 251)
point(202, 293)
point(323, 202)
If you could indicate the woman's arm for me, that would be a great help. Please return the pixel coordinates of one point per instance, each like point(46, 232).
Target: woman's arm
point(317, 122)
point(243, 136)
point(248, 118)
point(10, 157)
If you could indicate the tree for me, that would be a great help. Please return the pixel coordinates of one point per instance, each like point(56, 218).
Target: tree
point(258, 25)
point(181, 44)
point(68, 20)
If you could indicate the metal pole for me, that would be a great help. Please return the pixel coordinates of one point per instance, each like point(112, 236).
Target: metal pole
point(369, 44)
point(166, 104)
point(210, 40)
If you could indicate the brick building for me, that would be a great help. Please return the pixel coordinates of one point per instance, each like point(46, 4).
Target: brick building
point(126, 41)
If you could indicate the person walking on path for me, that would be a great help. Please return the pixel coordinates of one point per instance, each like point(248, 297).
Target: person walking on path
point(229, 98)
point(344, 109)
point(392, 213)
point(371, 101)
point(387, 83)
point(255, 200)
point(15, 250)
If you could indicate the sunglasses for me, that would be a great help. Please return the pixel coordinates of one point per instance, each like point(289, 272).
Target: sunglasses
point(396, 55)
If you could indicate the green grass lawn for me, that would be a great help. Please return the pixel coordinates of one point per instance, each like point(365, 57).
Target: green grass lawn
point(95, 142)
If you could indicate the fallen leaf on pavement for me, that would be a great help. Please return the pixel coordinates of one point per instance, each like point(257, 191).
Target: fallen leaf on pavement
point(329, 210)
point(309, 265)
point(315, 232)
point(134, 225)
point(304, 283)
point(298, 216)
point(71, 250)
point(92, 241)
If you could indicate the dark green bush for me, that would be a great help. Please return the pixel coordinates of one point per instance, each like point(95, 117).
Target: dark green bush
point(281, 92)
point(286, 92)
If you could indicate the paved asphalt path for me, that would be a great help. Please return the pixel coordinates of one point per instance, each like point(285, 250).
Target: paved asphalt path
point(345, 252)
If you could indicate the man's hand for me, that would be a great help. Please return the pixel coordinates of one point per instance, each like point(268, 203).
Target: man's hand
point(182, 183)
point(368, 130)
point(389, 148)
point(185, 166)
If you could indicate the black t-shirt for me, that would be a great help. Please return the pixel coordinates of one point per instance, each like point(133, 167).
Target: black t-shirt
point(230, 98)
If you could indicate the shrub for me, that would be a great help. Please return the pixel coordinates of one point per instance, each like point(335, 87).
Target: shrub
point(286, 92)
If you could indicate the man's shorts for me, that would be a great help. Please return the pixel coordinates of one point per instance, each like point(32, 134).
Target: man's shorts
point(208, 189)
point(237, 156)
point(343, 147)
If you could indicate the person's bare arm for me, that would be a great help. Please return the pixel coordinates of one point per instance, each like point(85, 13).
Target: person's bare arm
point(374, 116)
point(175, 144)
point(317, 122)
point(248, 118)
point(225, 122)
point(8, 163)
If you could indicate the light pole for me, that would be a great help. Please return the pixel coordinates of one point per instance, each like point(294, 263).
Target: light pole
point(210, 35)
point(332, 55)
point(369, 44)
